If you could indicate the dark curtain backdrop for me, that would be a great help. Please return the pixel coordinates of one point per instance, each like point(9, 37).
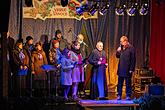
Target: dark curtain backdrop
point(108, 28)
point(157, 48)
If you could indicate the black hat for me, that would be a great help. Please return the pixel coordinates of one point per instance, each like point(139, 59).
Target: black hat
point(57, 32)
point(18, 42)
point(28, 38)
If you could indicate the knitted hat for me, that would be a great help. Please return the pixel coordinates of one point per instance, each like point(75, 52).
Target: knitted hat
point(54, 42)
point(28, 38)
point(18, 42)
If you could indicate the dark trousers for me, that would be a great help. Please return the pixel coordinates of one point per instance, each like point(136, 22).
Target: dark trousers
point(81, 87)
point(19, 88)
point(128, 85)
point(98, 83)
point(40, 88)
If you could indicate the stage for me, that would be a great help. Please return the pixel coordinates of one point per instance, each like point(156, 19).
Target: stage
point(50, 103)
point(107, 105)
point(34, 103)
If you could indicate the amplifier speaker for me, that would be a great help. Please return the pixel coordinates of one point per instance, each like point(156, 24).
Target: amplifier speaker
point(156, 89)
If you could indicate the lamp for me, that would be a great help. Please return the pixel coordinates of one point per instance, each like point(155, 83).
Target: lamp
point(79, 10)
point(83, 7)
point(144, 9)
point(132, 11)
point(104, 9)
point(120, 10)
point(93, 9)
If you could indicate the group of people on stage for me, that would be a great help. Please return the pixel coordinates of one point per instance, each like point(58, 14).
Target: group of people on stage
point(70, 61)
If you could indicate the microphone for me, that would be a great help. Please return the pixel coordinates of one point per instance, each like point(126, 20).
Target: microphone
point(85, 44)
point(121, 46)
point(70, 30)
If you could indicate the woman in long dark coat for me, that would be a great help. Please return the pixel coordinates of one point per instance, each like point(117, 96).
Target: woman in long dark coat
point(98, 78)
point(20, 69)
point(38, 60)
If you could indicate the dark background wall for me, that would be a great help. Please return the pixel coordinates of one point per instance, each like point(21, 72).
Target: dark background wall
point(4, 20)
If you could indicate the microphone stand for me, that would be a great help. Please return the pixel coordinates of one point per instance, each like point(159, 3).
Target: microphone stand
point(75, 37)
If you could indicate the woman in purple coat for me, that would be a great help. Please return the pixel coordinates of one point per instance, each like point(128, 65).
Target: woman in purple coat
point(78, 70)
point(66, 72)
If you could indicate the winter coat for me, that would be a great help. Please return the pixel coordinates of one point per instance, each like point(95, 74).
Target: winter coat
point(66, 71)
point(39, 59)
point(18, 61)
point(127, 61)
point(78, 70)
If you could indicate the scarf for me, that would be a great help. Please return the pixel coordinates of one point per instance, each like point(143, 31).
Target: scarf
point(21, 55)
point(75, 50)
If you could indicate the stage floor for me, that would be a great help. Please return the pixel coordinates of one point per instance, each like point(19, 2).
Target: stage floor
point(107, 105)
point(27, 103)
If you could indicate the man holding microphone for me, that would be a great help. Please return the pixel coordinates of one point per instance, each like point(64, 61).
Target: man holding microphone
point(126, 66)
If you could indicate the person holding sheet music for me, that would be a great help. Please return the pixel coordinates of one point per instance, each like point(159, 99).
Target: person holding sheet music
point(85, 54)
point(19, 69)
point(39, 59)
point(55, 54)
point(67, 66)
point(78, 70)
point(29, 48)
point(55, 59)
point(98, 85)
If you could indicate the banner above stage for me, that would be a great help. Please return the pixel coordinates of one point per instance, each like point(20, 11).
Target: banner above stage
point(43, 9)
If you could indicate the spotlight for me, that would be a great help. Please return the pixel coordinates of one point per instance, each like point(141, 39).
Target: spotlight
point(144, 9)
point(104, 9)
point(120, 10)
point(64, 3)
point(80, 10)
point(93, 9)
point(132, 11)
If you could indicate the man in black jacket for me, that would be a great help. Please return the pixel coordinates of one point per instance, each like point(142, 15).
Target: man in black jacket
point(63, 42)
point(126, 66)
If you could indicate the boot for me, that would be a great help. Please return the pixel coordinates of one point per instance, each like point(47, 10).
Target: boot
point(74, 91)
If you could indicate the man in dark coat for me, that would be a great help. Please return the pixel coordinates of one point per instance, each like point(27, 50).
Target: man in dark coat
point(63, 42)
point(29, 48)
point(126, 66)
point(98, 77)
